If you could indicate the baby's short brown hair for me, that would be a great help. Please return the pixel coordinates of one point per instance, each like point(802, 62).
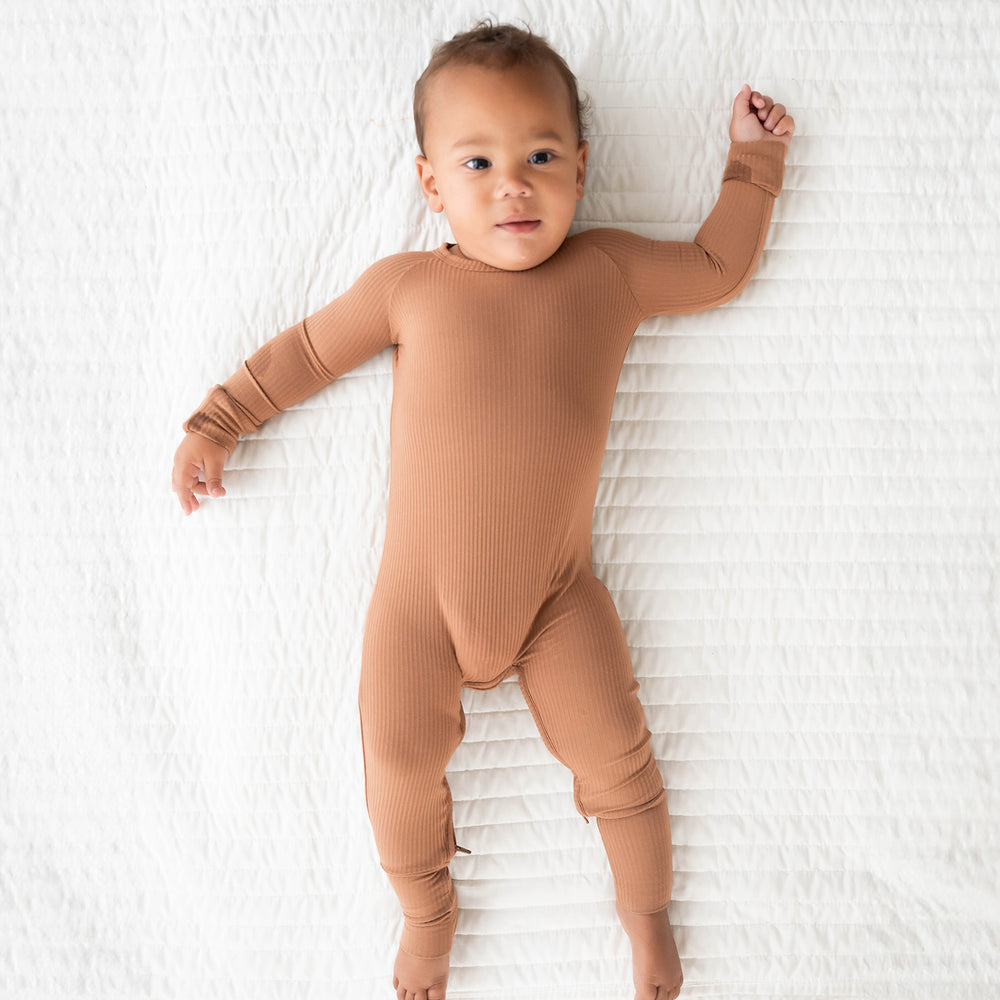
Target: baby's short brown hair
point(498, 46)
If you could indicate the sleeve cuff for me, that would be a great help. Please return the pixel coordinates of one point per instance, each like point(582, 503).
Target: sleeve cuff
point(236, 407)
point(760, 163)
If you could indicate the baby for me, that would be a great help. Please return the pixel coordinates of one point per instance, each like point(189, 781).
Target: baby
point(507, 346)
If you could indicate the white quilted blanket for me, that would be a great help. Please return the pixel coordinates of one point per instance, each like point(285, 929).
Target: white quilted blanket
point(798, 517)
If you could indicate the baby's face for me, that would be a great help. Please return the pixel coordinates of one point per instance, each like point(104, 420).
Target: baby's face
point(503, 161)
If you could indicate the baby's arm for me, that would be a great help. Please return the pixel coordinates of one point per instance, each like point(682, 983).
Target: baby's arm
point(289, 368)
point(668, 277)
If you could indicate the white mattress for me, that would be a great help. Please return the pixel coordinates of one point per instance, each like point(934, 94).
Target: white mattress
point(798, 516)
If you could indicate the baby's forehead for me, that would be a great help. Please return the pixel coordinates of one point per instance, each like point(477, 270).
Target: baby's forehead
point(472, 88)
point(470, 69)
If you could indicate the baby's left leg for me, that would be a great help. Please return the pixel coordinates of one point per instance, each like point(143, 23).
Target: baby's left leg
point(578, 681)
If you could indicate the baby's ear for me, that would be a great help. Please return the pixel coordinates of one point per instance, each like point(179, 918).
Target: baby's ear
point(428, 184)
point(581, 167)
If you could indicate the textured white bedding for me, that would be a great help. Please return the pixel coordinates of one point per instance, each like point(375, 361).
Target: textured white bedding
point(798, 517)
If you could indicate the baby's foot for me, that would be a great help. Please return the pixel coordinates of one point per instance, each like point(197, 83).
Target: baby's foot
point(420, 978)
point(656, 966)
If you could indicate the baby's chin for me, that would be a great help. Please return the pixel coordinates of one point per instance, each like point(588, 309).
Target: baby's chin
point(514, 252)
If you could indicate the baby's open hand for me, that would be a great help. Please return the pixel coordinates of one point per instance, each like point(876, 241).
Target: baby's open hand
point(758, 117)
point(197, 455)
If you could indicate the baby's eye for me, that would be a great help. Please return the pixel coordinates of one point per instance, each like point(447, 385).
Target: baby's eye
point(477, 163)
point(538, 159)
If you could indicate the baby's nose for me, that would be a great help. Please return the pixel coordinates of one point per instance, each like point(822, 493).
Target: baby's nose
point(513, 184)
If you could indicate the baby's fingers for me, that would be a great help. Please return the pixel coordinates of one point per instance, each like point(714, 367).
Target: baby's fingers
point(188, 485)
point(185, 483)
point(213, 477)
point(762, 103)
point(774, 115)
point(786, 126)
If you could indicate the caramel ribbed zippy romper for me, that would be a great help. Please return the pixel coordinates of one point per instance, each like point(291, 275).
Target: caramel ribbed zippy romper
point(503, 384)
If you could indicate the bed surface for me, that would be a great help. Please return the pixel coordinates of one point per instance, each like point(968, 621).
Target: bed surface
point(797, 517)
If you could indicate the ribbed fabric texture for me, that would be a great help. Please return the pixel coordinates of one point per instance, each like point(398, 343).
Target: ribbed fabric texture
point(503, 385)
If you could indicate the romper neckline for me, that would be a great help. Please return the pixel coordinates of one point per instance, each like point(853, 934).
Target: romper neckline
point(465, 263)
point(444, 253)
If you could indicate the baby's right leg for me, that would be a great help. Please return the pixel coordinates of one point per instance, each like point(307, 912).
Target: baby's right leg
point(411, 723)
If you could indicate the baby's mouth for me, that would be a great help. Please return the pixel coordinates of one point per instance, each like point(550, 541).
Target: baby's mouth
point(519, 225)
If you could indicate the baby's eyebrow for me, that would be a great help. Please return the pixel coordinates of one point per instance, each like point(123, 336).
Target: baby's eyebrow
point(481, 140)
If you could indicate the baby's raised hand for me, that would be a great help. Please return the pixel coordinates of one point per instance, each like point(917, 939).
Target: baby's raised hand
point(197, 455)
point(757, 117)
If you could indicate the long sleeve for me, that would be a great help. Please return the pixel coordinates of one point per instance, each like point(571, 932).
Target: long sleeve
point(667, 277)
point(304, 358)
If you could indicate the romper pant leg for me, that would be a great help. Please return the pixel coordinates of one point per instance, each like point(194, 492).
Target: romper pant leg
point(578, 681)
point(411, 723)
